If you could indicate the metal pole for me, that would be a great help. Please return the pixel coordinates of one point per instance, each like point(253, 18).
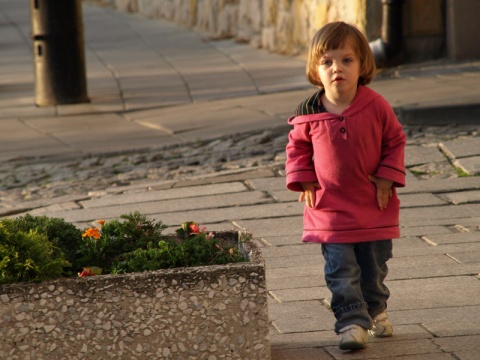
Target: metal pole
point(58, 50)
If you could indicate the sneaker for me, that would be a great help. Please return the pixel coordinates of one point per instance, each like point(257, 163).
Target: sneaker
point(353, 337)
point(381, 326)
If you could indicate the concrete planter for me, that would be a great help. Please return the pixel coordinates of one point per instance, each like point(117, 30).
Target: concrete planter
point(210, 312)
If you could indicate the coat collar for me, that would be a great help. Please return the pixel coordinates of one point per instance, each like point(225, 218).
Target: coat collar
point(310, 109)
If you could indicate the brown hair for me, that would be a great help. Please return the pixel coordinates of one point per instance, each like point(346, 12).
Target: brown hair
point(334, 36)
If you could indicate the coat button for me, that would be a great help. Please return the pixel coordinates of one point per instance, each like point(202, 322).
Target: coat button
point(341, 118)
point(342, 130)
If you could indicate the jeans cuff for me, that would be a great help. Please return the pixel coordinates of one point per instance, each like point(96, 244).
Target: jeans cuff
point(351, 307)
point(353, 314)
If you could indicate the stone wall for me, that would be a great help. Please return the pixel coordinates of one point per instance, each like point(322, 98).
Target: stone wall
point(286, 26)
point(282, 26)
point(211, 312)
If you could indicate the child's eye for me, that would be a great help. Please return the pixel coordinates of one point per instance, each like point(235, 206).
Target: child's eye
point(326, 62)
point(348, 61)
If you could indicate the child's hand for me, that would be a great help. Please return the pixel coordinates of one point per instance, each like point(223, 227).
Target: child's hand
point(308, 193)
point(384, 190)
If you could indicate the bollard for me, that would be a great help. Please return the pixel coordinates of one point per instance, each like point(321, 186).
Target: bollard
point(58, 51)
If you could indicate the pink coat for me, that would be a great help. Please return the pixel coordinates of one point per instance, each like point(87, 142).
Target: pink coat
point(340, 152)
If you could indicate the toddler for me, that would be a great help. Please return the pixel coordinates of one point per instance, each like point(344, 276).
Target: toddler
point(345, 156)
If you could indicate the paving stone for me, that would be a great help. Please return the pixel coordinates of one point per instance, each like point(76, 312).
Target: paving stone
point(465, 222)
point(460, 148)
point(290, 251)
point(440, 265)
point(466, 355)
point(472, 257)
point(301, 294)
point(403, 332)
point(469, 249)
point(279, 341)
point(459, 344)
point(291, 226)
point(435, 170)
point(55, 208)
point(295, 282)
point(170, 194)
point(470, 165)
point(304, 324)
point(160, 208)
point(100, 133)
point(462, 197)
point(293, 239)
point(439, 212)
point(216, 201)
point(454, 238)
point(469, 269)
point(410, 178)
point(176, 218)
point(441, 185)
point(389, 349)
point(300, 354)
point(414, 246)
point(236, 214)
point(27, 205)
point(227, 176)
point(23, 140)
point(417, 155)
point(276, 184)
point(285, 195)
point(424, 230)
point(285, 273)
point(315, 258)
point(418, 200)
point(458, 291)
point(444, 322)
point(298, 309)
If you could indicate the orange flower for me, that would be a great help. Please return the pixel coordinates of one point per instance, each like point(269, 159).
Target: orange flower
point(101, 222)
point(92, 232)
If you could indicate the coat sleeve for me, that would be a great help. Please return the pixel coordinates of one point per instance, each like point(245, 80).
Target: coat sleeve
point(299, 166)
point(392, 165)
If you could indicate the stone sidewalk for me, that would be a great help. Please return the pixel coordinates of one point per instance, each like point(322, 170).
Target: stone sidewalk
point(433, 276)
point(154, 86)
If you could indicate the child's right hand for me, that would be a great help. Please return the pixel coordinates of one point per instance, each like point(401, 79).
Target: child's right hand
point(308, 193)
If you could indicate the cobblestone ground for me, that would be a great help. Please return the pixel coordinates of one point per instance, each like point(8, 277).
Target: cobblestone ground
point(34, 178)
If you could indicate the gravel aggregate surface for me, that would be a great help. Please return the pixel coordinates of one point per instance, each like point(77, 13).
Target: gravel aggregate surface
point(27, 179)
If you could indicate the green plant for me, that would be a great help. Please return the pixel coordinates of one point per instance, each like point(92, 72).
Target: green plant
point(102, 247)
point(64, 236)
point(28, 256)
point(93, 248)
point(193, 247)
point(132, 231)
point(460, 172)
point(41, 248)
point(152, 258)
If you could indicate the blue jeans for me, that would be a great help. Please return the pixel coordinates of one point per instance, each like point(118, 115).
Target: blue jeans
point(355, 274)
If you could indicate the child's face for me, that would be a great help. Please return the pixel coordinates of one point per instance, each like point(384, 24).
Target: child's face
point(339, 70)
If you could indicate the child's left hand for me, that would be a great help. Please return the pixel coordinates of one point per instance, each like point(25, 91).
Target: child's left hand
point(384, 190)
point(308, 194)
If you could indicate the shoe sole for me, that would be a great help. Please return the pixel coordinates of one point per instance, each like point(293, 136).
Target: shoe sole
point(352, 346)
point(381, 335)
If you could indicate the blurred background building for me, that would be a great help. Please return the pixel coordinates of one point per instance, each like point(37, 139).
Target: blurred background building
point(406, 31)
